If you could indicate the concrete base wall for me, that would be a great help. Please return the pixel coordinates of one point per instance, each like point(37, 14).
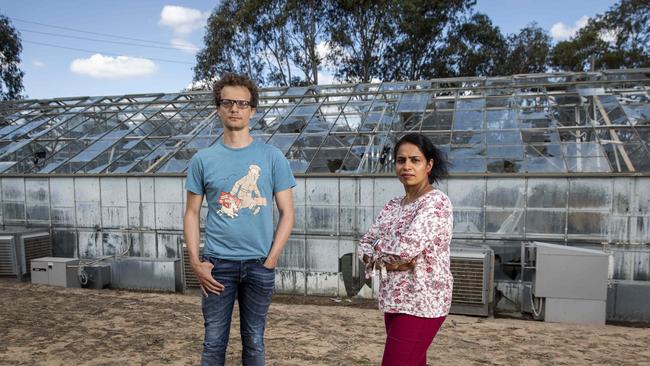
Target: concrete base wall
point(91, 217)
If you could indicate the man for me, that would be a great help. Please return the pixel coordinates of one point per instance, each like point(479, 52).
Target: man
point(239, 177)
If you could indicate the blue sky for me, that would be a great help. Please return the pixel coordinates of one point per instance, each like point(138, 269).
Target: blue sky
point(172, 31)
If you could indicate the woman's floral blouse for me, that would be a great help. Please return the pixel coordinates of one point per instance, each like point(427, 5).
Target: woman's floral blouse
point(422, 230)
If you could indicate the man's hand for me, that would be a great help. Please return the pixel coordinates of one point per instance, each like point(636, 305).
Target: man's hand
point(270, 263)
point(401, 267)
point(203, 271)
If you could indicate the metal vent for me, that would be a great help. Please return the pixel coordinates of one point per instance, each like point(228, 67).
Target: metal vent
point(473, 271)
point(468, 280)
point(35, 247)
point(189, 278)
point(7, 257)
point(18, 246)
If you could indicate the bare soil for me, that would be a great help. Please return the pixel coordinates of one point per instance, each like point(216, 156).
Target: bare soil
point(43, 325)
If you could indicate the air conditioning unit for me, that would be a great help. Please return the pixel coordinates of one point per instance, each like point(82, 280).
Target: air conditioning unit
point(571, 283)
point(189, 278)
point(473, 271)
point(19, 246)
point(52, 271)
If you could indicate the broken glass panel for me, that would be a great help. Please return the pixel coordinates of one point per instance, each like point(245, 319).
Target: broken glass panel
point(438, 120)
point(468, 120)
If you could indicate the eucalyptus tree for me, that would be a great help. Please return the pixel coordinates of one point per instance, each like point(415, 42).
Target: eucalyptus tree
point(474, 48)
point(422, 30)
point(619, 38)
point(359, 35)
point(11, 77)
point(528, 51)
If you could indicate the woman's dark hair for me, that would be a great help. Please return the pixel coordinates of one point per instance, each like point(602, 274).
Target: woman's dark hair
point(231, 79)
point(429, 150)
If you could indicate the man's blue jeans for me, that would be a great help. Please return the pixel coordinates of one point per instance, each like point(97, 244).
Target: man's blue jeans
point(252, 285)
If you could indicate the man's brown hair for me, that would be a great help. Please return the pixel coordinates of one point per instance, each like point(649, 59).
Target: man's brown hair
point(232, 79)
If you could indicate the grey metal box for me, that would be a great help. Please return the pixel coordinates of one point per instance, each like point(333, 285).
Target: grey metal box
point(575, 311)
point(570, 273)
point(156, 274)
point(573, 283)
point(51, 270)
point(96, 276)
point(628, 301)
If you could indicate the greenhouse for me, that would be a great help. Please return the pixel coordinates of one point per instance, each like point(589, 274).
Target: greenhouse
point(561, 123)
point(557, 157)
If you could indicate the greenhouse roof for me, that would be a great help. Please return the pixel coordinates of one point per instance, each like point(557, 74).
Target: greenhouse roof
point(534, 123)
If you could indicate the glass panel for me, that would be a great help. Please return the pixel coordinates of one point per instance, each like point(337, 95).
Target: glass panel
point(320, 123)
point(299, 158)
point(499, 102)
point(505, 165)
point(465, 165)
point(407, 122)
point(500, 119)
point(468, 138)
point(438, 120)
point(296, 91)
point(328, 160)
point(545, 158)
point(468, 120)
point(540, 136)
point(283, 142)
point(413, 102)
point(293, 124)
point(503, 137)
point(478, 103)
point(505, 151)
point(439, 138)
point(588, 164)
point(339, 140)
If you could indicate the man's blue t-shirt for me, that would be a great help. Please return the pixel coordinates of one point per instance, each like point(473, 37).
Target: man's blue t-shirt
point(239, 184)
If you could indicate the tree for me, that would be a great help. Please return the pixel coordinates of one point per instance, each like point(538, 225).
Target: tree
point(474, 48)
point(306, 27)
point(528, 51)
point(359, 32)
point(274, 41)
point(421, 30)
point(11, 77)
point(620, 38)
point(629, 21)
point(575, 54)
point(229, 45)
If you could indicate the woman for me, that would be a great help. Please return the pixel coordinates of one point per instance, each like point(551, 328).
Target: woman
point(408, 244)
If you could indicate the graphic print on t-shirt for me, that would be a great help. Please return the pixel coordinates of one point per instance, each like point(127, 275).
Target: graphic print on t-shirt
point(243, 194)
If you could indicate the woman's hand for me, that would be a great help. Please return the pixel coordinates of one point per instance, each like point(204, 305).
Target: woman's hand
point(402, 266)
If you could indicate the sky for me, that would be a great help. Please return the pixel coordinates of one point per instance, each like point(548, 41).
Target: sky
point(91, 47)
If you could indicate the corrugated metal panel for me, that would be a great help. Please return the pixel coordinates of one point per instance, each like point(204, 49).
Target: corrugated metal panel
point(7, 257)
point(36, 247)
point(468, 280)
point(189, 278)
point(473, 271)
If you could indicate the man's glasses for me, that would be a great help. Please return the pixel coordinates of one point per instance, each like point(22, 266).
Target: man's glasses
point(228, 103)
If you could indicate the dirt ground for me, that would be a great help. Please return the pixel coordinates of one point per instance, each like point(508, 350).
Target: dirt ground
point(42, 325)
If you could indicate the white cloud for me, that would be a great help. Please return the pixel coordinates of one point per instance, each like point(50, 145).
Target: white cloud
point(184, 45)
point(105, 67)
point(38, 63)
point(323, 49)
point(609, 35)
point(182, 20)
point(562, 32)
point(205, 84)
point(325, 77)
